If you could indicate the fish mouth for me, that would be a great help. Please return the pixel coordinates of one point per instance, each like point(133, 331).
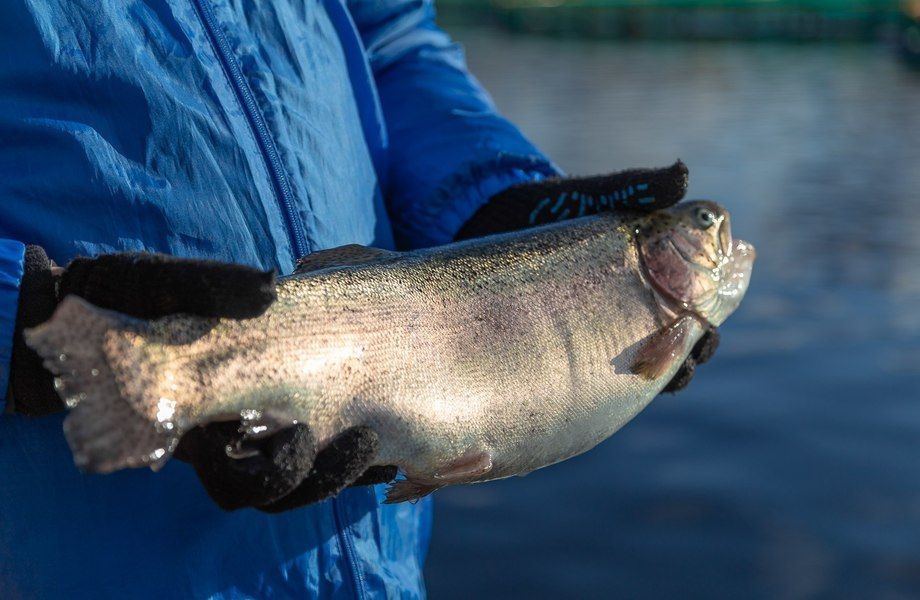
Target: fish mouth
point(726, 244)
point(741, 261)
point(745, 252)
point(736, 278)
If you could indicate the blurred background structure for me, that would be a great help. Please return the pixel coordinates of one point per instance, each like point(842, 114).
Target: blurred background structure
point(790, 468)
point(815, 20)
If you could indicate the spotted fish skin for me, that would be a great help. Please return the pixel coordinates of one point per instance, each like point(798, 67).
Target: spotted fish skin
point(473, 361)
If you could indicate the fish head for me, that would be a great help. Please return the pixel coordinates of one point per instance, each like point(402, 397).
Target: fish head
point(690, 259)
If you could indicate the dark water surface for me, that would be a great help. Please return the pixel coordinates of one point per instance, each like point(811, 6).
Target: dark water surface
point(791, 467)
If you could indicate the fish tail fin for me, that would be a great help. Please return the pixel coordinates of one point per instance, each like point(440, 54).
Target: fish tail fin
point(113, 423)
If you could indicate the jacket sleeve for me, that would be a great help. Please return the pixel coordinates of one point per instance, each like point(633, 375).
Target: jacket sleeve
point(449, 149)
point(11, 265)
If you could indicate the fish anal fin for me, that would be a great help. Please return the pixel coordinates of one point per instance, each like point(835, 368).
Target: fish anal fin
point(664, 346)
point(465, 469)
point(349, 255)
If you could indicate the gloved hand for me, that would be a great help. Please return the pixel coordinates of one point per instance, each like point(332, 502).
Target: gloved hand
point(280, 472)
point(561, 198)
point(283, 471)
point(141, 285)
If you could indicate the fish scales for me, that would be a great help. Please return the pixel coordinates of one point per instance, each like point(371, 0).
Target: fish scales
point(474, 361)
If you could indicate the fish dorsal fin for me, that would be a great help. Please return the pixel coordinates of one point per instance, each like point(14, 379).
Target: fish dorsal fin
point(352, 254)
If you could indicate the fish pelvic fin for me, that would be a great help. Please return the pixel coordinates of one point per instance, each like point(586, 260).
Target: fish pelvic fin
point(106, 428)
point(465, 469)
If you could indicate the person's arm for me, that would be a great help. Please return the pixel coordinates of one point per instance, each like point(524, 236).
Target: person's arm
point(449, 149)
point(11, 265)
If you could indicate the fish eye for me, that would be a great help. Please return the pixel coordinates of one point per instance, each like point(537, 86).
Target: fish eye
point(705, 218)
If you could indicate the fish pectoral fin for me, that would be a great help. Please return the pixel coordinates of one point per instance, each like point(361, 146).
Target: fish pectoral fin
point(352, 254)
point(465, 469)
point(660, 350)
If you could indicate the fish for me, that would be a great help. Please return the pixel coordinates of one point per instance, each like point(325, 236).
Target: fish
point(472, 361)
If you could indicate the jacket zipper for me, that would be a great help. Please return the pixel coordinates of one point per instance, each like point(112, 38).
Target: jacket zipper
point(285, 199)
point(256, 122)
point(348, 546)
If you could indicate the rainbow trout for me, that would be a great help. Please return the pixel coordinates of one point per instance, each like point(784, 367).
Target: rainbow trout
point(473, 361)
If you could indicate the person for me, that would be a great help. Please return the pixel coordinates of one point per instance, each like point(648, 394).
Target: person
point(171, 155)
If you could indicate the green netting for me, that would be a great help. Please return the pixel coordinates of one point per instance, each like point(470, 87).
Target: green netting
point(793, 20)
point(810, 5)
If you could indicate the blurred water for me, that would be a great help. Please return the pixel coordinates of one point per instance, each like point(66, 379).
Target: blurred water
point(791, 466)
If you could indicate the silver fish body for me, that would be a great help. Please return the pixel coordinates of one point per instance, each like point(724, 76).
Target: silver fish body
point(473, 361)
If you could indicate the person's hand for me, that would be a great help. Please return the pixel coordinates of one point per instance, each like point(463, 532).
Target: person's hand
point(280, 472)
point(560, 198)
point(277, 473)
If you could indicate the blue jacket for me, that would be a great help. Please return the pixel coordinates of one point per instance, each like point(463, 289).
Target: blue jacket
point(241, 130)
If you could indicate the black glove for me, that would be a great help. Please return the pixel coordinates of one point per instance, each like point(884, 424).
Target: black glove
point(283, 471)
point(280, 472)
point(557, 199)
point(561, 198)
point(701, 353)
